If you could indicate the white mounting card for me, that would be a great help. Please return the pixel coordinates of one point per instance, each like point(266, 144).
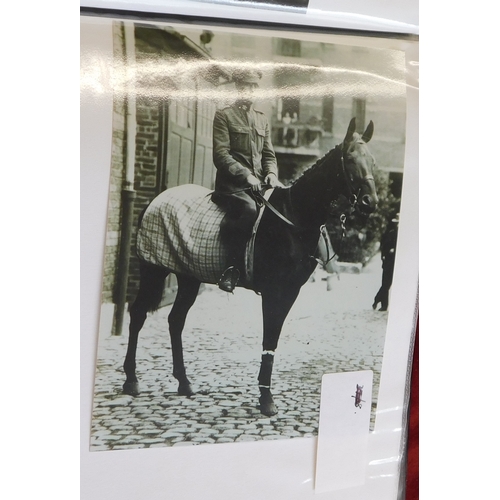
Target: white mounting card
point(344, 425)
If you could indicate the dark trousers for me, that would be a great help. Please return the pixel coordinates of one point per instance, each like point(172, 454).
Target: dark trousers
point(236, 227)
point(387, 274)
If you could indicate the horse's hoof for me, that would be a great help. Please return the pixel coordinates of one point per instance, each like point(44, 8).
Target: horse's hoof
point(267, 406)
point(131, 388)
point(185, 390)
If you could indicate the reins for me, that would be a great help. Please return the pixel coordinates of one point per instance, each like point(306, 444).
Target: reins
point(324, 233)
point(353, 199)
point(262, 201)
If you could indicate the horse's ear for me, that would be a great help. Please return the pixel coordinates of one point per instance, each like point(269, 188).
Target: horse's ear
point(350, 131)
point(368, 132)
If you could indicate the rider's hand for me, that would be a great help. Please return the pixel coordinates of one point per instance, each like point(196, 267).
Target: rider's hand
point(254, 183)
point(272, 180)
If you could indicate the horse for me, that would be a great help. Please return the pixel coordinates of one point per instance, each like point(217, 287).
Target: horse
point(284, 257)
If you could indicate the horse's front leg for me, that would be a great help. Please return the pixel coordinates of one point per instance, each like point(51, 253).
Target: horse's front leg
point(186, 295)
point(275, 308)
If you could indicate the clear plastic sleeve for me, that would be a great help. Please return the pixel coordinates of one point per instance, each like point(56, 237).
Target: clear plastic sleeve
point(151, 85)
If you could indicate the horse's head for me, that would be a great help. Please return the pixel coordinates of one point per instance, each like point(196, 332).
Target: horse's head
point(358, 164)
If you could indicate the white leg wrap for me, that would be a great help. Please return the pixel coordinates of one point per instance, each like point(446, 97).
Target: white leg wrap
point(268, 352)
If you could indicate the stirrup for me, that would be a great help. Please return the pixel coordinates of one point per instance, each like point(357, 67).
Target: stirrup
point(229, 279)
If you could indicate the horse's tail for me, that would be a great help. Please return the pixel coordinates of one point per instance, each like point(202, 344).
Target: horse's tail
point(151, 286)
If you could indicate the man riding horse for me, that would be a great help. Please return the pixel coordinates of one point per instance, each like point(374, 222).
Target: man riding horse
point(244, 157)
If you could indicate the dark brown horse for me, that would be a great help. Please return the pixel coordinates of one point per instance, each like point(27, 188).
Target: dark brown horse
point(283, 257)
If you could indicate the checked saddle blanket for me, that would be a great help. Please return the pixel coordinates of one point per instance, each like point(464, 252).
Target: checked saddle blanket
point(180, 231)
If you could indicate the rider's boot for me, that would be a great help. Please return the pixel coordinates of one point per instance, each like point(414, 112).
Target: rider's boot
point(236, 251)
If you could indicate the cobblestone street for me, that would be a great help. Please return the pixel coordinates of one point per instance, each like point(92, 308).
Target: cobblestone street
point(325, 332)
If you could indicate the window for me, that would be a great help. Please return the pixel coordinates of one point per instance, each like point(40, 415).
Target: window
point(288, 47)
point(328, 113)
point(291, 105)
point(359, 111)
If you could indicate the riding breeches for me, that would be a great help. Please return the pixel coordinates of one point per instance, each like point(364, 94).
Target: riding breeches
point(236, 227)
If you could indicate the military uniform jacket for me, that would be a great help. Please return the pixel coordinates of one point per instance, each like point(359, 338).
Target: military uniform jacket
point(242, 146)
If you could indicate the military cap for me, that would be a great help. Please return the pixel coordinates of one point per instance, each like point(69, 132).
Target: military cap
point(247, 76)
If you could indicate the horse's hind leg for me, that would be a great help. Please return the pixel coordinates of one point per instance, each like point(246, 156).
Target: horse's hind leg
point(152, 280)
point(186, 296)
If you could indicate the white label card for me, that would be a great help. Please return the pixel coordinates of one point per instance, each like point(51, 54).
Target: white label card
point(344, 425)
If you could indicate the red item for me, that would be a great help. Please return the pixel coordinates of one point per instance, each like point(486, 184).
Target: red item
point(412, 477)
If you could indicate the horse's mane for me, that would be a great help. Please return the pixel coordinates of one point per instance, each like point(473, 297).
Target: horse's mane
point(313, 168)
point(321, 161)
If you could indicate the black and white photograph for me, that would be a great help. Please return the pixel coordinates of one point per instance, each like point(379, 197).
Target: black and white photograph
point(255, 188)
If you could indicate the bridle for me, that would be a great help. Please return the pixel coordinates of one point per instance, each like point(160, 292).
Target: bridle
point(353, 195)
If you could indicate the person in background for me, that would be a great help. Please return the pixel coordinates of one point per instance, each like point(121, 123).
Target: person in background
point(388, 254)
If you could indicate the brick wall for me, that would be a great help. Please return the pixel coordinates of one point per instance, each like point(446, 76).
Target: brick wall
point(146, 168)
